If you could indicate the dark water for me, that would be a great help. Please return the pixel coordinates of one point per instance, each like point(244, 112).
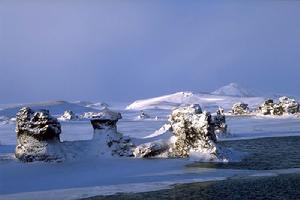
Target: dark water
point(263, 154)
point(283, 187)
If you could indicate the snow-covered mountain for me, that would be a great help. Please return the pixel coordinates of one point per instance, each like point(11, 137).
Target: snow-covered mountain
point(233, 89)
point(207, 101)
point(55, 108)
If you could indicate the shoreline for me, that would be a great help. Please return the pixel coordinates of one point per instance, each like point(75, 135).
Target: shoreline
point(284, 186)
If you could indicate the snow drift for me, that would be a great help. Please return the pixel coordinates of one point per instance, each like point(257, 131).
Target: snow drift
point(207, 101)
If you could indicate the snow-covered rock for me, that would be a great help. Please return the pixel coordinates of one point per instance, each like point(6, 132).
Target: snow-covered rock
point(289, 105)
point(109, 140)
point(37, 136)
point(233, 89)
point(220, 121)
point(68, 115)
point(285, 105)
point(269, 107)
point(240, 108)
point(188, 133)
point(106, 119)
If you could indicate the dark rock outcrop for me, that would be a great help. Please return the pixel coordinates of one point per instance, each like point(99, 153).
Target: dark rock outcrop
point(220, 121)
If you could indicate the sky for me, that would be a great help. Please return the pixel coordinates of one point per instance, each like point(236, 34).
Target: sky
point(121, 50)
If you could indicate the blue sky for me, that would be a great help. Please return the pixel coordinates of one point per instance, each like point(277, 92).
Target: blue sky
point(126, 50)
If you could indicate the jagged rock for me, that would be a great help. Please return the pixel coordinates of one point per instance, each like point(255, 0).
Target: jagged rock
point(240, 108)
point(37, 135)
point(189, 131)
point(194, 108)
point(289, 105)
point(285, 105)
point(38, 138)
point(192, 131)
point(106, 119)
point(269, 107)
point(150, 149)
point(105, 131)
point(68, 115)
point(220, 121)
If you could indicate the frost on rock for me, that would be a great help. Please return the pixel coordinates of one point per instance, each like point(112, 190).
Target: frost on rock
point(289, 105)
point(189, 132)
point(285, 105)
point(220, 121)
point(269, 107)
point(106, 134)
point(240, 108)
point(37, 135)
point(68, 115)
point(38, 138)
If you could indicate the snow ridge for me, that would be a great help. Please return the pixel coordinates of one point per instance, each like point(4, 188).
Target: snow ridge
point(233, 89)
point(209, 102)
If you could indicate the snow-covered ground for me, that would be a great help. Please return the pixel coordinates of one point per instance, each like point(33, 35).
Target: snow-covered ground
point(55, 107)
point(208, 102)
point(88, 177)
point(225, 97)
point(82, 178)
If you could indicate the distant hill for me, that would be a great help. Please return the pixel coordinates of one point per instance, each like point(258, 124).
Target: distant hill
point(233, 89)
point(55, 108)
point(207, 101)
